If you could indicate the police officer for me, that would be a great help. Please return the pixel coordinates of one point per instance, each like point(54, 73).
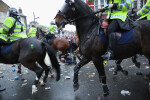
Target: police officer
point(52, 30)
point(13, 28)
point(32, 31)
point(117, 15)
point(144, 13)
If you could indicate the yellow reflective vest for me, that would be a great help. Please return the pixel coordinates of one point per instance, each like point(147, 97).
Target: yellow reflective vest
point(32, 32)
point(52, 29)
point(17, 32)
point(120, 9)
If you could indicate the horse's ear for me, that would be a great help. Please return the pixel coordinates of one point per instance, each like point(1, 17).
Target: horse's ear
point(70, 1)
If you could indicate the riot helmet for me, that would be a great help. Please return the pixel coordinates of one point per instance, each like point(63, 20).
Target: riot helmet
point(13, 11)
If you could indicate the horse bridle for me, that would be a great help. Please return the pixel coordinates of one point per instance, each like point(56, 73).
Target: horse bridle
point(71, 4)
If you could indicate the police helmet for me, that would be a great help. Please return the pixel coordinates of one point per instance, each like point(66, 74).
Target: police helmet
point(52, 23)
point(33, 25)
point(13, 11)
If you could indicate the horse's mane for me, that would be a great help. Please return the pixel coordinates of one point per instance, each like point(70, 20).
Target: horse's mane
point(90, 20)
point(84, 7)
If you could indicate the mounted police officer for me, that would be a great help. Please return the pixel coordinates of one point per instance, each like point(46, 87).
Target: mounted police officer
point(117, 15)
point(32, 31)
point(144, 13)
point(12, 29)
point(52, 30)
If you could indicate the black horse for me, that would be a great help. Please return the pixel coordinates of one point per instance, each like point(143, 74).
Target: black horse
point(30, 53)
point(92, 45)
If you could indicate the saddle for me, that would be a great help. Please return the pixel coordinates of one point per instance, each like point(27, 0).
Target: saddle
point(5, 49)
point(122, 36)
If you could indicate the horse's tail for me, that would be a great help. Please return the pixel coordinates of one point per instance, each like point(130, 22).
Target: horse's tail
point(53, 60)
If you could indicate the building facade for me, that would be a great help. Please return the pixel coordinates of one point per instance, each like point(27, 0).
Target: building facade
point(3, 11)
point(96, 4)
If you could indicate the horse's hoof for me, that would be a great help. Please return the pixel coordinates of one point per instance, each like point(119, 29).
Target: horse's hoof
point(34, 90)
point(19, 72)
point(42, 83)
point(147, 76)
point(103, 98)
point(149, 87)
point(125, 72)
point(51, 75)
point(137, 65)
point(76, 87)
point(106, 93)
point(115, 73)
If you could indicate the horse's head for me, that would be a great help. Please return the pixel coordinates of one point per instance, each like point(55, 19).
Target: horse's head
point(73, 11)
point(65, 14)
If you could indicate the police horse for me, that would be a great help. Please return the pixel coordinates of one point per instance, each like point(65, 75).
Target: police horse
point(91, 43)
point(30, 53)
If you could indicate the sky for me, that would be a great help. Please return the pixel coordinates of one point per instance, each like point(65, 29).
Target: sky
point(46, 10)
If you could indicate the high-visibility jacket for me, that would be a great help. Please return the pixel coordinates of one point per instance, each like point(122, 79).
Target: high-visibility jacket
point(18, 33)
point(145, 11)
point(52, 29)
point(32, 32)
point(119, 10)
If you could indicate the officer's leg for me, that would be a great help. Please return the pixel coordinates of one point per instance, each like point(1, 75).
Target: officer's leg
point(2, 42)
point(113, 27)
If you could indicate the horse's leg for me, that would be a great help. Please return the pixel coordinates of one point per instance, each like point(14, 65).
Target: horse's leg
point(119, 68)
point(19, 68)
point(137, 64)
point(34, 67)
point(51, 72)
point(74, 59)
point(46, 69)
point(102, 76)
point(76, 71)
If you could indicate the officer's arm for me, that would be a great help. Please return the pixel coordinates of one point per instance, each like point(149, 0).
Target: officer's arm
point(8, 23)
point(123, 6)
point(145, 9)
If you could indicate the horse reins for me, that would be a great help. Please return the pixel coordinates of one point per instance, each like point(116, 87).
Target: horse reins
point(70, 21)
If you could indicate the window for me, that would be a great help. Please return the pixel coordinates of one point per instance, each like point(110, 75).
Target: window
point(96, 5)
point(135, 4)
point(102, 2)
point(99, 4)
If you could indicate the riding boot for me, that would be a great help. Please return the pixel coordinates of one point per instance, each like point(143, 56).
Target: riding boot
point(109, 55)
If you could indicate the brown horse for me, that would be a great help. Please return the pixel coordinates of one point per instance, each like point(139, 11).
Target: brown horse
point(92, 45)
point(60, 44)
point(33, 54)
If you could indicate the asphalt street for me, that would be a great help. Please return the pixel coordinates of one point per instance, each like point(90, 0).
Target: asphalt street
point(131, 87)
